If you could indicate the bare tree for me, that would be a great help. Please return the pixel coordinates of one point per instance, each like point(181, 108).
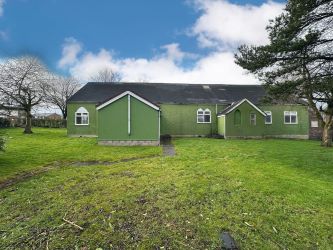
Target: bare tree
point(59, 90)
point(24, 80)
point(106, 75)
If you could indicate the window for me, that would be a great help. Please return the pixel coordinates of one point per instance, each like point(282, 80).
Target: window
point(314, 124)
point(290, 117)
point(203, 116)
point(253, 119)
point(237, 117)
point(268, 117)
point(82, 117)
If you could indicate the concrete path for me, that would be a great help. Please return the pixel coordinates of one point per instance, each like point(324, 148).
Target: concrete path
point(168, 147)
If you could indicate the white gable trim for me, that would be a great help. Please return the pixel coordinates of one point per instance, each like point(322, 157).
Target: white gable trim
point(254, 106)
point(130, 94)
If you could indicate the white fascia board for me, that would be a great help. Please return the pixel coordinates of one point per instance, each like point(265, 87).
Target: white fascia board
point(254, 106)
point(131, 94)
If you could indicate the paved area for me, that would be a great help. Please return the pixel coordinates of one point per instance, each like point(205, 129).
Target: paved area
point(168, 147)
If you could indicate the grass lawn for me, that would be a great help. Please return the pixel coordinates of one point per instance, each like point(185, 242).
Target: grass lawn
point(45, 146)
point(269, 194)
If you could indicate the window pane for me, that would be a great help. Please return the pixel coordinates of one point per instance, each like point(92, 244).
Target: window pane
point(287, 119)
point(293, 119)
point(207, 118)
point(253, 119)
point(84, 119)
point(200, 112)
point(200, 118)
point(78, 120)
point(268, 119)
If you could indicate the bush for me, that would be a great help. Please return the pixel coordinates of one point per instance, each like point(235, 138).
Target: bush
point(4, 122)
point(46, 123)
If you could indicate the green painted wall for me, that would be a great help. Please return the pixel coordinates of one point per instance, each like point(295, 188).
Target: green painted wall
point(177, 119)
point(113, 121)
point(245, 129)
point(279, 128)
point(220, 125)
point(181, 120)
point(84, 130)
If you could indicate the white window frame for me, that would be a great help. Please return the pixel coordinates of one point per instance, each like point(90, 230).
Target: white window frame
point(79, 112)
point(290, 113)
point(270, 114)
point(253, 119)
point(204, 113)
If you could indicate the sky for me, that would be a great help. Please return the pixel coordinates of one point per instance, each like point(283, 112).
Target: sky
point(179, 41)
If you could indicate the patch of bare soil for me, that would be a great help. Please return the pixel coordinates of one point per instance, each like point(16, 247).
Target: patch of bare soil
point(27, 175)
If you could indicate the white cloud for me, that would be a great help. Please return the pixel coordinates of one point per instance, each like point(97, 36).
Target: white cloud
point(221, 26)
point(218, 67)
point(71, 48)
point(89, 64)
point(226, 24)
point(2, 3)
point(174, 53)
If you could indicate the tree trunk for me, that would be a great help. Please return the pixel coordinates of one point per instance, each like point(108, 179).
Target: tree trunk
point(64, 113)
point(27, 129)
point(326, 139)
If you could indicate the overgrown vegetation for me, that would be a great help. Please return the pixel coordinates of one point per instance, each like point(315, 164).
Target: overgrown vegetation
point(269, 194)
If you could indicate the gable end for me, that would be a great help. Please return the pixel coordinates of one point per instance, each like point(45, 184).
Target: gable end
point(132, 95)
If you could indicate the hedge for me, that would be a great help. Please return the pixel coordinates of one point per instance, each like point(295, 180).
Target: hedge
point(44, 123)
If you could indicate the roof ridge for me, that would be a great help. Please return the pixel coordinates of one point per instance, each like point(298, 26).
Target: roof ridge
point(173, 83)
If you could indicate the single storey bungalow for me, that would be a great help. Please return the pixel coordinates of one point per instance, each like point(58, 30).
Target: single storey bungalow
point(139, 113)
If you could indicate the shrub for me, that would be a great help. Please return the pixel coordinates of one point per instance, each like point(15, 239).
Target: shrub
point(4, 122)
point(47, 123)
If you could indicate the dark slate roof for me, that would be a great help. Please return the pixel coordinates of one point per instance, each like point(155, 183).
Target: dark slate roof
point(172, 93)
point(226, 110)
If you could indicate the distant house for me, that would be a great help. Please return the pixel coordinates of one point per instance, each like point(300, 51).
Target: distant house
point(11, 111)
point(48, 116)
point(139, 113)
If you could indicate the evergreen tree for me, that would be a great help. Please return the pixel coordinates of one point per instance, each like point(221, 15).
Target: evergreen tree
point(298, 61)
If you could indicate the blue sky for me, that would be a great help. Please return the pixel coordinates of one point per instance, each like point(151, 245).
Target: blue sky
point(179, 40)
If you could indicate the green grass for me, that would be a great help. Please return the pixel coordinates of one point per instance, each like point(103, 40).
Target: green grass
point(45, 146)
point(269, 194)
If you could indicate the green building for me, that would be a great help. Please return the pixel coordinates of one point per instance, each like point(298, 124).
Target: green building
point(139, 113)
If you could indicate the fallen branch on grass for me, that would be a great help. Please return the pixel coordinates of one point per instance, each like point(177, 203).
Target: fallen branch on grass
point(72, 223)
